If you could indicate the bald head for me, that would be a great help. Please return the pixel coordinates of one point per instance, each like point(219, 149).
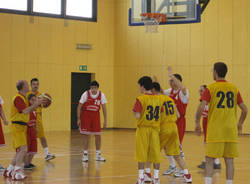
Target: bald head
point(22, 86)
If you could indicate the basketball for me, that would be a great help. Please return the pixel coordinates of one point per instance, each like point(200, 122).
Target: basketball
point(47, 98)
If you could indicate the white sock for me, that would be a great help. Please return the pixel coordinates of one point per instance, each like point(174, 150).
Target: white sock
point(141, 173)
point(98, 152)
point(185, 171)
point(208, 180)
point(229, 181)
point(156, 173)
point(17, 168)
point(11, 167)
point(148, 170)
point(85, 152)
point(171, 161)
point(46, 151)
point(217, 161)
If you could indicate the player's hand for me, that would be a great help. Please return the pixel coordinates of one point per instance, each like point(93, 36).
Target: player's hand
point(6, 122)
point(105, 124)
point(170, 71)
point(239, 129)
point(198, 130)
point(78, 122)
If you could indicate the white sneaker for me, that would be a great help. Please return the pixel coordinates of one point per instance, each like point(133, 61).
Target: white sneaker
point(18, 175)
point(85, 158)
point(49, 157)
point(8, 173)
point(179, 173)
point(156, 181)
point(188, 178)
point(147, 177)
point(170, 170)
point(140, 181)
point(100, 158)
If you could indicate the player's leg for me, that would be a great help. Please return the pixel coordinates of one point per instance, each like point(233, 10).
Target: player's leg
point(229, 170)
point(18, 174)
point(209, 170)
point(85, 130)
point(10, 169)
point(147, 173)
point(96, 129)
point(85, 147)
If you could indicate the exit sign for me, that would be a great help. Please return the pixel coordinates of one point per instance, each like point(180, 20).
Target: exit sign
point(83, 67)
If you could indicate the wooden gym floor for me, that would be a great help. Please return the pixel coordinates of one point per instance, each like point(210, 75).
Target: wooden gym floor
point(120, 167)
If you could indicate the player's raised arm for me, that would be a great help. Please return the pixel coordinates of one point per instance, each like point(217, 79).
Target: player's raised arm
point(177, 81)
point(198, 114)
point(243, 116)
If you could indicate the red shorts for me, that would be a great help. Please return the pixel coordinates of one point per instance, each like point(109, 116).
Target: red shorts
point(31, 140)
point(90, 123)
point(204, 123)
point(181, 125)
point(2, 141)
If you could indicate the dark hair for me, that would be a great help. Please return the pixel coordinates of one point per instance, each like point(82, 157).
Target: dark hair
point(221, 69)
point(94, 83)
point(178, 76)
point(20, 85)
point(156, 86)
point(34, 80)
point(204, 86)
point(146, 82)
point(31, 96)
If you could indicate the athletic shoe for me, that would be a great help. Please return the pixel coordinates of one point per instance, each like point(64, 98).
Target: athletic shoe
point(7, 173)
point(147, 177)
point(188, 178)
point(27, 167)
point(140, 181)
point(32, 166)
point(179, 173)
point(217, 166)
point(18, 175)
point(202, 165)
point(85, 158)
point(156, 181)
point(2, 168)
point(100, 158)
point(170, 170)
point(50, 157)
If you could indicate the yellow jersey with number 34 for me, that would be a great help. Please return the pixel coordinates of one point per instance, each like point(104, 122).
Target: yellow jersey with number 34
point(169, 110)
point(149, 106)
point(222, 98)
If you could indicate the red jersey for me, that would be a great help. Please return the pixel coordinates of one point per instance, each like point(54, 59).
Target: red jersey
point(92, 104)
point(179, 104)
point(32, 122)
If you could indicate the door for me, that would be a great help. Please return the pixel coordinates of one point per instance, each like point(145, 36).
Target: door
point(80, 82)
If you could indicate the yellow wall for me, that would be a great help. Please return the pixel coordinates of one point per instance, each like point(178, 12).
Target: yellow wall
point(47, 49)
point(191, 49)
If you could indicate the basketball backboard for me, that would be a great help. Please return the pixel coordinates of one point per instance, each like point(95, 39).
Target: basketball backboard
point(176, 11)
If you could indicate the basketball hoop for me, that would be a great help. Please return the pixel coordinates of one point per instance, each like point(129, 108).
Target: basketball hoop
point(152, 21)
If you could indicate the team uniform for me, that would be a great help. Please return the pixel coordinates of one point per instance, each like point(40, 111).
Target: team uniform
point(19, 121)
point(181, 102)
point(2, 141)
point(31, 134)
point(222, 131)
point(90, 114)
point(148, 128)
point(40, 129)
point(169, 137)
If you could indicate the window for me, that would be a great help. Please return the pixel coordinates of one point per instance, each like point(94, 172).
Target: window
point(47, 6)
point(14, 4)
point(79, 8)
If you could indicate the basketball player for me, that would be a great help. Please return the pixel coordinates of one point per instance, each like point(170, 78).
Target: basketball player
point(31, 136)
point(88, 118)
point(34, 83)
point(20, 111)
point(217, 164)
point(147, 111)
point(222, 128)
point(2, 116)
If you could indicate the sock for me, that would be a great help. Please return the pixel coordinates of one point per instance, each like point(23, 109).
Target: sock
point(208, 180)
point(11, 167)
point(17, 168)
point(46, 151)
point(156, 173)
point(229, 181)
point(147, 170)
point(141, 173)
point(185, 171)
point(217, 161)
point(171, 161)
point(85, 152)
point(98, 152)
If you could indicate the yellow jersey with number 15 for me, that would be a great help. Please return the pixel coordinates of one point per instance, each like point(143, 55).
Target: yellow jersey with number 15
point(222, 98)
point(169, 110)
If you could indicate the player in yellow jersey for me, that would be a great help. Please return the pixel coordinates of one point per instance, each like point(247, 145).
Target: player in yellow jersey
point(222, 127)
point(34, 84)
point(20, 111)
point(147, 111)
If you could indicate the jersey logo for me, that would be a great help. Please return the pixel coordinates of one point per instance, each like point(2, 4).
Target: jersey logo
point(97, 102)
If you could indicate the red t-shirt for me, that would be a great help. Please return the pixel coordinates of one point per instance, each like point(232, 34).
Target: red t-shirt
point(20, 104)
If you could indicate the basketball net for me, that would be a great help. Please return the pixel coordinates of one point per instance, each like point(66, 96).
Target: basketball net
point(152, 20)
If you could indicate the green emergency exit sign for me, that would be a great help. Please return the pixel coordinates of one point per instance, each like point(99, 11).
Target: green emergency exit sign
point(83, 67)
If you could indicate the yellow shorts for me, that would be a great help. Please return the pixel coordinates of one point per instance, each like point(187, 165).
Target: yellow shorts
point(169, 138)
point(147, 145)
point(19, 135)
point(40, 130)
point(222, 149)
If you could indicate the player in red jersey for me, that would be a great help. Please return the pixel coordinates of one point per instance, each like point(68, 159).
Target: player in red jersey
point(31, 135)
point(2, 116)
point(88, 118)
point(217, 164)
